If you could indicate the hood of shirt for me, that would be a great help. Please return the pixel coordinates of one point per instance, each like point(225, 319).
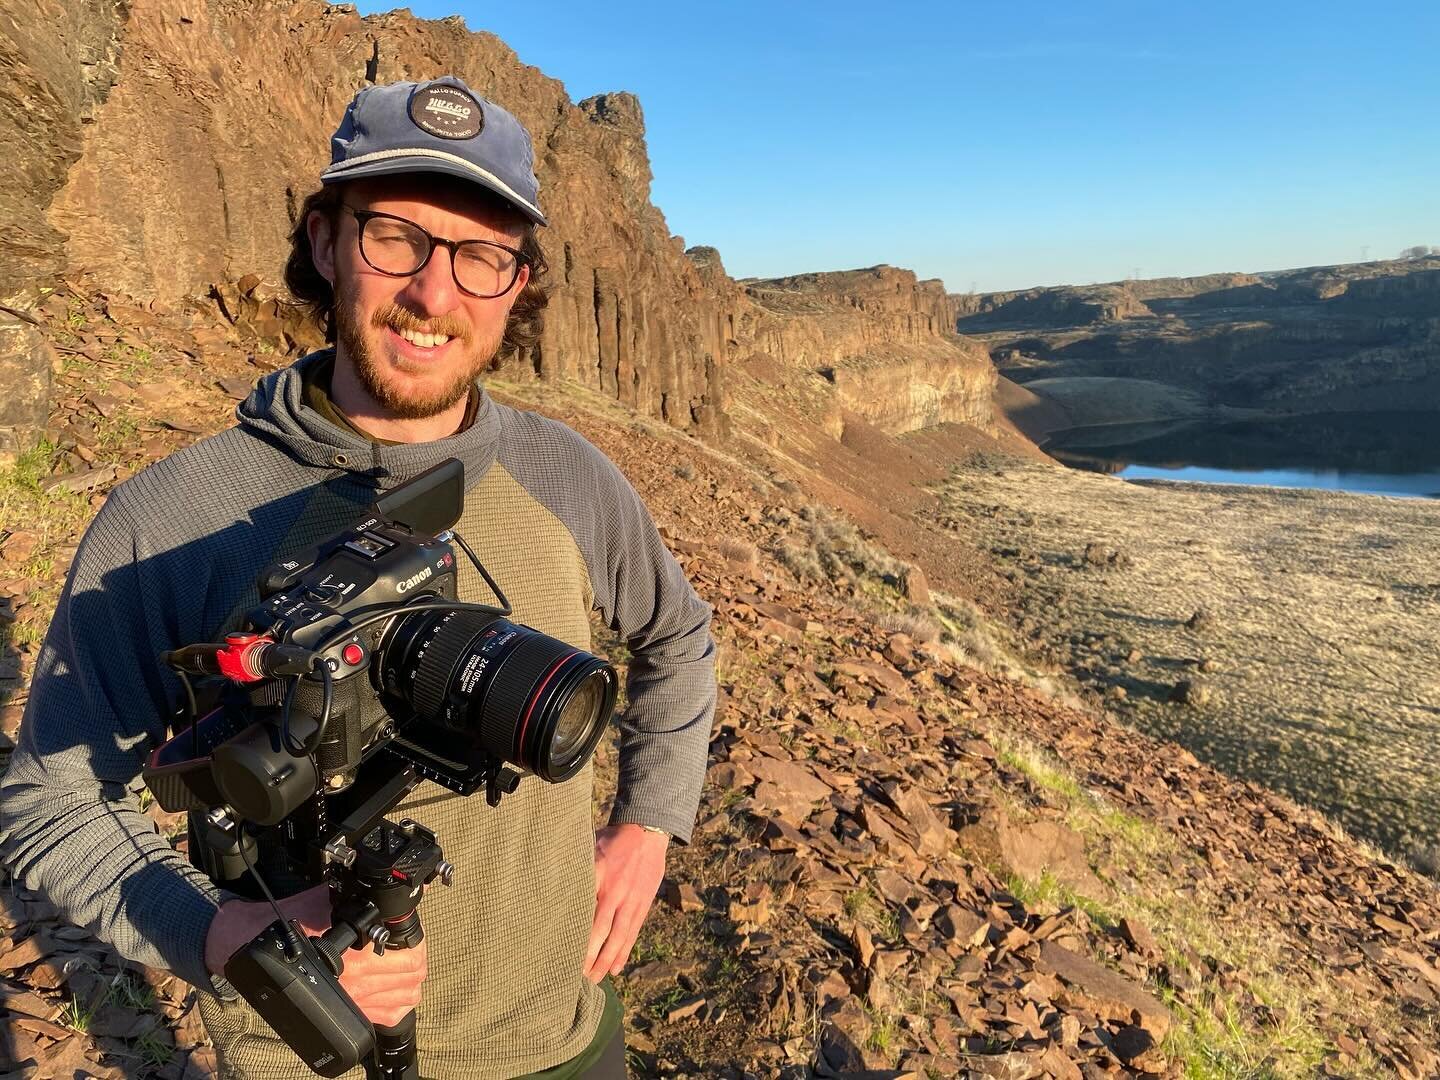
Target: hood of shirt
point(276, 411)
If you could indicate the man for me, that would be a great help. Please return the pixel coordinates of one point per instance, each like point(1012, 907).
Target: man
point(420, 249)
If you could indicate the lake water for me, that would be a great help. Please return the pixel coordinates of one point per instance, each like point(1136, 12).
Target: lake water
point(1369, 453)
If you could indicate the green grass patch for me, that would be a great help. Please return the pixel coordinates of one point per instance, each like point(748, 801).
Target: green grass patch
point(76, 1016)
point(1212, 1041)
point(872, 912)
point(155, 1052)
point(666, 1001)
point(1050, 894)
point(1043, 773)
point(119, 432)
point(1215, 1037)
point(652, 949)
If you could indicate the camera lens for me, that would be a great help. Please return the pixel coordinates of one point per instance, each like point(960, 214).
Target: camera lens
point(528, 699)
point(575, 718)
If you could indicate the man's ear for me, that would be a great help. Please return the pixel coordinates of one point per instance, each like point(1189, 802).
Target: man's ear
point(521, 279)
point(321, 229)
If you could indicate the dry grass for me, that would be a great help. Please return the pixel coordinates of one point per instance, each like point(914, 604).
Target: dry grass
point(970, 638)
point(1323, 617)
point(824, 546)
point(738, 551)
point(916, 623)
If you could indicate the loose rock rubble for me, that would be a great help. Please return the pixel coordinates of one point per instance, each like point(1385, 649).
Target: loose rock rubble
point(857, 798)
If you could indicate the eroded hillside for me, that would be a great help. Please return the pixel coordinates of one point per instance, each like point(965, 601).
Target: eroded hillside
point(1363, 337)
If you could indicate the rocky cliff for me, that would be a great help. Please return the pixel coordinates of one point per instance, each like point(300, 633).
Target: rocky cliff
point(879, 337)
point(175, 140)
point(1049, 307)
point(191, 169)
point(59, 64)
point(1338, 338)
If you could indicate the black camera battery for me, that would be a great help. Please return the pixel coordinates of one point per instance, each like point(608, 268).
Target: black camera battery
point(297, 994)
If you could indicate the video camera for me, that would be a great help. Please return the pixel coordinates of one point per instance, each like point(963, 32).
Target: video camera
point(358, 675)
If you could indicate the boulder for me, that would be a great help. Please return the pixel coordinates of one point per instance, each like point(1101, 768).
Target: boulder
point(25, 364)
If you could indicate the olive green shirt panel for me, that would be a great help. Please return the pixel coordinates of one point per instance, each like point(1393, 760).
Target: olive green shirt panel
point(531, 555)
point(519, 865)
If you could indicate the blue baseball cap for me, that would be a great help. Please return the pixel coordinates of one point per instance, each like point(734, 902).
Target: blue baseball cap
point(437, 126)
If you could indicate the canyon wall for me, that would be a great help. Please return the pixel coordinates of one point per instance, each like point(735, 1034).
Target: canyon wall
point(1066, 305)
point(196, 162)
point(188, 133)
point(1339, 338)
point(881, 338)
point(59, 63)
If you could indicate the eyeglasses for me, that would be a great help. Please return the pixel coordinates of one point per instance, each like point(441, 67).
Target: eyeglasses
point(400, 248)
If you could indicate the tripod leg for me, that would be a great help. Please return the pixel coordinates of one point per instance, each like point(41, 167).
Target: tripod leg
point(394, 1057)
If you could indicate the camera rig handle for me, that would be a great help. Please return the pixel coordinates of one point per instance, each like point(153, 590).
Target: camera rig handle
point(376, 884)
point(376, 901)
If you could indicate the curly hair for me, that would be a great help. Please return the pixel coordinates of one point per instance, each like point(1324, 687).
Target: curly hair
point(312, 292)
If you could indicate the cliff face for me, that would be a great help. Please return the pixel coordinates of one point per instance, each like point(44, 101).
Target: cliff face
point(1335, 338)
point(59, 65)
point(1054, 307)
point(881, 338)
point(199, 158)
point(189, 132)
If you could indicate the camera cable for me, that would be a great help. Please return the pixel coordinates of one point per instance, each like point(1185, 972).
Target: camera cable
point(291, 935)
point(310, 745)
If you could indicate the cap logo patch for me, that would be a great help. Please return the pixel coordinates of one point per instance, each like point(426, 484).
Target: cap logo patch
point(446, 112)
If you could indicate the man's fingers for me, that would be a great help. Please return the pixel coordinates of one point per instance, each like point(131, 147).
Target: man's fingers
point(399, 961)
point(372, 1003)
point(623, 932)
point(599, 931)
point(386, 1016)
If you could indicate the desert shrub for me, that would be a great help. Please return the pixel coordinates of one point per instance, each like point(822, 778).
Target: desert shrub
point(685, 471)
point(842, 551)
point(1422, 856)
point(738, 551)
point(916, 623)
point(800, 561)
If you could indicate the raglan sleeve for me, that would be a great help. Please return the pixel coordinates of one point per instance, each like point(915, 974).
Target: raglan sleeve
point(644, 596)
point(71, 826)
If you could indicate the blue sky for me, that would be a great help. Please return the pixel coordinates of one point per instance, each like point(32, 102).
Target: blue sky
point(998, 146)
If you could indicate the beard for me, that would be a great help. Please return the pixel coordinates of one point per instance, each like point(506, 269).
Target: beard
point(363, 341)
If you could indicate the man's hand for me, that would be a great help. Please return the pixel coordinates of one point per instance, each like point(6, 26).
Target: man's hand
point(629, 865)
point(384, 987)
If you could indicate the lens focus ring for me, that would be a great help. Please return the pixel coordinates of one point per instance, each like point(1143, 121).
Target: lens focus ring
point(434, 670)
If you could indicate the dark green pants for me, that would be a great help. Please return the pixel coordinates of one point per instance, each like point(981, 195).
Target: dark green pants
point(604, 1058)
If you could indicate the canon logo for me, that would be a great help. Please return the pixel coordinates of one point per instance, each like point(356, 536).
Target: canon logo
point(413, 580)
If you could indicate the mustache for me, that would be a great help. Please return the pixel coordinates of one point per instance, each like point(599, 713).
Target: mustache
point(394, 317)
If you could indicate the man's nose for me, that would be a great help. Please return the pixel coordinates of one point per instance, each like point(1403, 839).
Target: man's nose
point(431, 290)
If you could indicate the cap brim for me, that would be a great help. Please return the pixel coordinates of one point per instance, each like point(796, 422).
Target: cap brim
point(426, 161)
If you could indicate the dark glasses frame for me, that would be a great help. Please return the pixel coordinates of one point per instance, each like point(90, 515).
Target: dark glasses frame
point(454, 246)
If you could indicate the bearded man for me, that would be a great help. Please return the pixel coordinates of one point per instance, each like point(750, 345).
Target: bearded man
point(420, 252)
